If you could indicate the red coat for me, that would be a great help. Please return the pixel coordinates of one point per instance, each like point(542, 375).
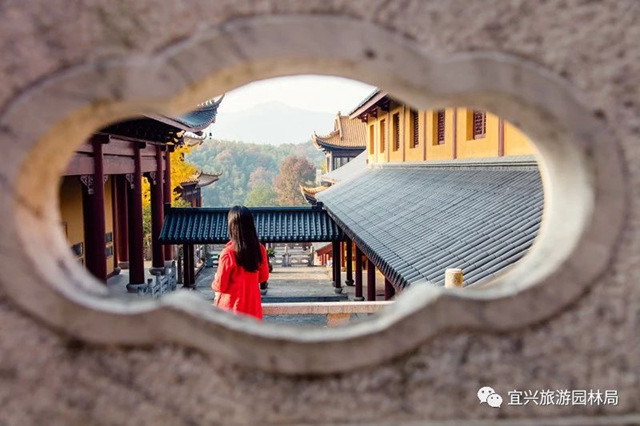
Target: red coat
point(238, 290)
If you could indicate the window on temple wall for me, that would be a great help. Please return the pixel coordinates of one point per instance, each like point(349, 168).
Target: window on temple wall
point(396, 131)
point(479, 124)
point(371, 138)
point(440, 127)
point(383, 125)
point(414, 128)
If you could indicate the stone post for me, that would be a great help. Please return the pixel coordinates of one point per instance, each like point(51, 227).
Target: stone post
point(453, 278)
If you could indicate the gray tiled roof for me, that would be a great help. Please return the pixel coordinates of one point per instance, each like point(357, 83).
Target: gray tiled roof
point(415, 222)
point(349, 170)
point(273, 224)
point(193, 121)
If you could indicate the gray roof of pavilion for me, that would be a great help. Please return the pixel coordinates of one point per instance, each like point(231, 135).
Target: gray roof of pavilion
point(273, 224)
point(415, 221)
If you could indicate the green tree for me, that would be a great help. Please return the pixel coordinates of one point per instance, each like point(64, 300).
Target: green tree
point(294, 171)
point(261, 195)
point(243, 166)
point(260, 176)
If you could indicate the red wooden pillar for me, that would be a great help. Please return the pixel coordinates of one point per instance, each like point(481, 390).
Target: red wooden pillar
point(157, 212)
point(358, 275)
point(94, 216)
point(168, 197)
point(192, 269)
point(136, 255)
point(389, 291)
point(349, 265)
point(122, 215)
point(371, 281)
point(189, 266)
point(336, 267)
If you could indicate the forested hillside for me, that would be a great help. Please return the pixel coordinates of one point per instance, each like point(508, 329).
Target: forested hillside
point(249, 170)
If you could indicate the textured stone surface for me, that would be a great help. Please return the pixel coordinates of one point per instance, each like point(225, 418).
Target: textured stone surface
point(48, 378)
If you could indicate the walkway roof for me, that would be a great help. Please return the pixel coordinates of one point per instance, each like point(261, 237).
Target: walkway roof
point(274, 224)
point(415, 221)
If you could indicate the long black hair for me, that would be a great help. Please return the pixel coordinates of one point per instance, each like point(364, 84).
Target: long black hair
point(242, 231)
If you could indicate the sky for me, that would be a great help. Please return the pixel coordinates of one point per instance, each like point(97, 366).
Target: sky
point(310, 92)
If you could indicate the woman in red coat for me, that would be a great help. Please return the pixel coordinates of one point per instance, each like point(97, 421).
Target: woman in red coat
point(242, 267)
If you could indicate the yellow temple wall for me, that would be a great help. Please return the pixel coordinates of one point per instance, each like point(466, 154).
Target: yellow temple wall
point(108, 218)
point(72, 217)
point(395, 155)
point(413, 154)
point(515, 142)
point(437, 151)
point(71, 211)
point(468, 147)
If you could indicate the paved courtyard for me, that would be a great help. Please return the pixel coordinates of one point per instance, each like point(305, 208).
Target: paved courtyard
point(286, 284)
point(291, 284)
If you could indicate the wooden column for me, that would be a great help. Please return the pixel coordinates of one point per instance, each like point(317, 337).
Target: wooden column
point(188, 273)
point(371, 281)
point(192, 270)
point(157, 212)
point(136, 255)
point(94, 216)
point(122, 220)
point(389, 291)
point(358, 275)
point(168, 196)
point(348, 260)
point(336, 267)
point(185, 265)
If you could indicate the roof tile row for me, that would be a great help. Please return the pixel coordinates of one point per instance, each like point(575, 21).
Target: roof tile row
point(416, 222)
point(273, 224)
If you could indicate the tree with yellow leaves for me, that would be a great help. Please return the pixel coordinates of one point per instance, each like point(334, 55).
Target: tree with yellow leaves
point(181, 171)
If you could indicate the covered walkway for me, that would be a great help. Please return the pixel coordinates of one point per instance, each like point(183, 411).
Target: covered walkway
point(189, 226)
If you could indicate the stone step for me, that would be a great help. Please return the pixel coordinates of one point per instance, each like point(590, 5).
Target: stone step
point(303, 299)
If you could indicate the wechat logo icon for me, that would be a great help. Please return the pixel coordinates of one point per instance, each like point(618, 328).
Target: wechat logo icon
point(488, 395)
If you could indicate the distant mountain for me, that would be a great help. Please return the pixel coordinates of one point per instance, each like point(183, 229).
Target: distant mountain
point(271, 123)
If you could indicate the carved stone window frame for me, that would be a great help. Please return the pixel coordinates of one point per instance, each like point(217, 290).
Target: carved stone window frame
point(585, 193)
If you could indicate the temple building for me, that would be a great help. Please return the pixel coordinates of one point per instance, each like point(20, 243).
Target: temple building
point(435, 189)
point(343, 144)
point(101, 191)
point(191, 191)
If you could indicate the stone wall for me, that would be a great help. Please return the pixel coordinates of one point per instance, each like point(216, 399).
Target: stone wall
point(50, 375)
